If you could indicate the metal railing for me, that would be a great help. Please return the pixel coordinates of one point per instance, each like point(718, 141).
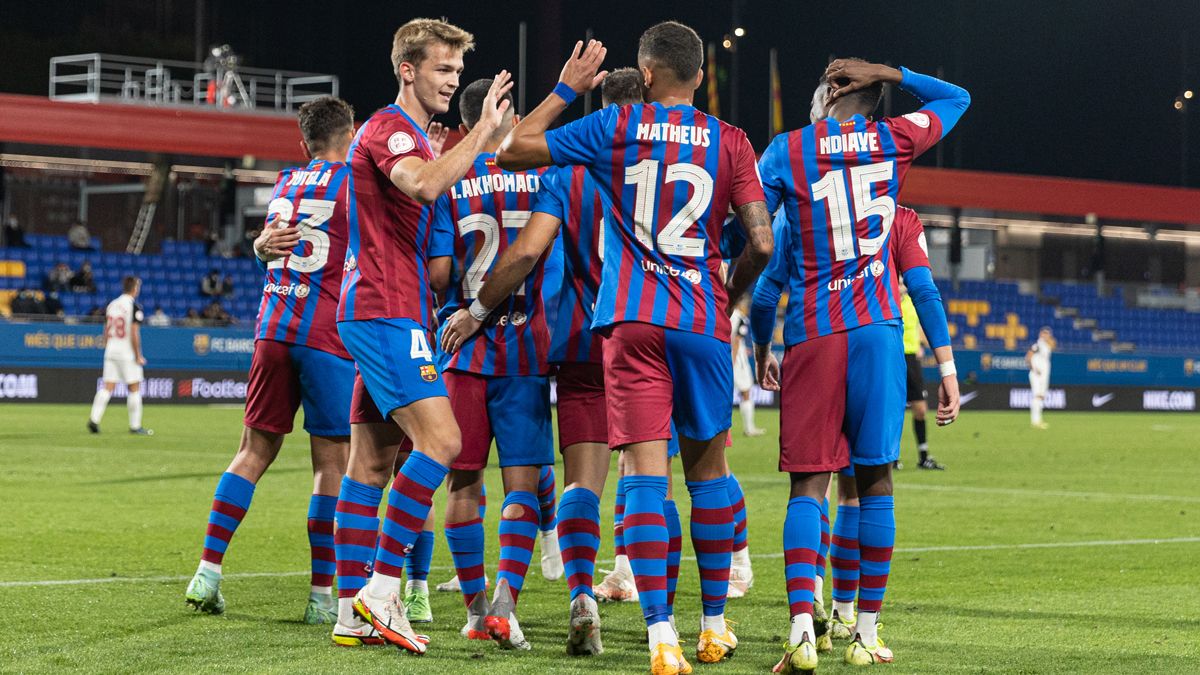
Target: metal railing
point(104, 77)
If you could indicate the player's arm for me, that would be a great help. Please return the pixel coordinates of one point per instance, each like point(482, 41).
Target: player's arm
point(135, 339)
point(441, 245)
point(526, 147)
point(764, 306)
point(505, 277)
point(760, 244)
point(746, 195)
point(947, 101)
point(932, 315)
point(425, 181)
point(439, 273)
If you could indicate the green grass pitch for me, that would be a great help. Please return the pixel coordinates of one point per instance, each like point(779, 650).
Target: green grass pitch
point(1068, 550)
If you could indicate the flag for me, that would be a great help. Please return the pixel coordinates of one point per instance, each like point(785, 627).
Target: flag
point(776, 103)
point(714, 99)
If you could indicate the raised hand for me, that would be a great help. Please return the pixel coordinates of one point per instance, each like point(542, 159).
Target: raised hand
point(437, 133)
point(580, 72)
point(494, 104)
point(276, 241)
point(849, 75)
point(460, 326)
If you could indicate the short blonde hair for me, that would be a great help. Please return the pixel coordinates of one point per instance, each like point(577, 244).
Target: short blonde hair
point(412, 39)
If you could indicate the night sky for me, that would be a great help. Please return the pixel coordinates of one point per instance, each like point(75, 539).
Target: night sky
point(1071, 88)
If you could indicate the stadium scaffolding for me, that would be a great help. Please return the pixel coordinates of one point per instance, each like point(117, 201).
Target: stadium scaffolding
point(93, 78)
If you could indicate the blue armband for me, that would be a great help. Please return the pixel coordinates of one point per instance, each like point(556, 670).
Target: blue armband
point(928, 302)
point(564, 92)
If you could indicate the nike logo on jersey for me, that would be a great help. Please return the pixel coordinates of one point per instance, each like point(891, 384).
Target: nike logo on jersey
point(1098, 400)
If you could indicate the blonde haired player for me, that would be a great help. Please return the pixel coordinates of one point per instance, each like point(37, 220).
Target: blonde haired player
point(1038, 358)
point(123, 358)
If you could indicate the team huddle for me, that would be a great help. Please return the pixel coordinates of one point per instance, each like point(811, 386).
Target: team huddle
point(417, 302)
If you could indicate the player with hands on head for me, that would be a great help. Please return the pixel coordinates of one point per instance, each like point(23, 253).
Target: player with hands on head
point(834, 184)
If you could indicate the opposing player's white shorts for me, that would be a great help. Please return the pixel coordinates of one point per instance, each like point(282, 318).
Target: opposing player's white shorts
point(743, 378)
point(1038, 384)
point(122, 370)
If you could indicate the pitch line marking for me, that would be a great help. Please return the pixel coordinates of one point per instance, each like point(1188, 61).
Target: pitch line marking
point(761, 556)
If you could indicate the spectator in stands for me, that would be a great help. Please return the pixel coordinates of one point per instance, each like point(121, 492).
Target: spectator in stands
point(14, 234)
point(216, 314)
point(159, 318)
point(84, 281)
point(96, 311)
point(210, 285)
point(227, 286)
point(59, 278)
point(79, 238)
point(28, 302)
point(192, 319)
point(54, 306)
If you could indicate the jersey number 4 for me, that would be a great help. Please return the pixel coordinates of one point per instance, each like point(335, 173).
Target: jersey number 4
point(832, 189)
point(670, 240)
point(316, 212)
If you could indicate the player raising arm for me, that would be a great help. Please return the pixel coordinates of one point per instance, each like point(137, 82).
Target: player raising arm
point(835, 183)
point(671, 173)
point(384, 319)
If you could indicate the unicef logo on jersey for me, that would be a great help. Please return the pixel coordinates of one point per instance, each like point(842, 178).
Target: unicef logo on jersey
point(299, 290)
point(514, 319)
point(691, 276)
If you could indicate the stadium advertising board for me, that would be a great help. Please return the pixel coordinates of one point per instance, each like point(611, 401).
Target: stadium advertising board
point(1076, 398)
point(1076, 369)
point(81, 346)
point(79, 385)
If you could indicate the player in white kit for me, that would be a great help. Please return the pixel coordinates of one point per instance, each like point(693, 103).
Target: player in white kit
point(123, 358)
point(743, 377)
point(1038, 358)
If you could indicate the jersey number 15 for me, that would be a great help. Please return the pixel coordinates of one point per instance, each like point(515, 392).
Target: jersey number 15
point(832, 189)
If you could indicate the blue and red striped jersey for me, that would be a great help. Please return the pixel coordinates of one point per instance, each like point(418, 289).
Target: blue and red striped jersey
point(835, 185)
point(671, 175)
point(300, 292)
point(475, 222)
point(570, 195)
point(386, 271)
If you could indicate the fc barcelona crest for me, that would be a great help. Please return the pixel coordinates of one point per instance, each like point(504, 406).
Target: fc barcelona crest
point(429, 373)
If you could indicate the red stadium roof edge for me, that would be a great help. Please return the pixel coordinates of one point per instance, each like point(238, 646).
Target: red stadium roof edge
point(210, 133)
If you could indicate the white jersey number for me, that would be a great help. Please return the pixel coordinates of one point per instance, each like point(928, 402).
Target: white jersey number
point(486, 255)
point(671, 241)
point(832, 189)
point(419, 349)
point(319, 211)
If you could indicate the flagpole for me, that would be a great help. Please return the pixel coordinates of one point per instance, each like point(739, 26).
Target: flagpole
point(774, 76)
